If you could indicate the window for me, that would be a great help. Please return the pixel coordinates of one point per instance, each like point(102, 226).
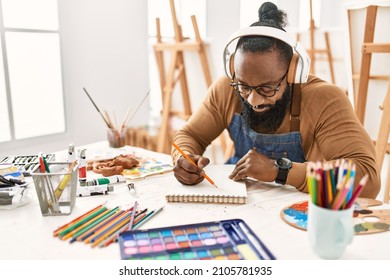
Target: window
point(31, 94)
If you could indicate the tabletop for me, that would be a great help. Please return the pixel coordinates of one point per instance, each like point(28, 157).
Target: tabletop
point(26, 234)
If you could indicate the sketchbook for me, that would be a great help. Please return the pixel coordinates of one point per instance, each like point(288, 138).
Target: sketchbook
point(228, 191)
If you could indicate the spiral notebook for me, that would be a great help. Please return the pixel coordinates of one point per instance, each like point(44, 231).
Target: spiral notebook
point(228, 191)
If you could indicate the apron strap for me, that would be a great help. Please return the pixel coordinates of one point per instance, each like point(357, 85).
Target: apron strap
point(295, 108)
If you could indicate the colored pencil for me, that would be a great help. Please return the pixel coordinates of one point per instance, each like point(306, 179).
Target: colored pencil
point(99, 239)
point(133, 215)
point(82, 221)
point(86, 224)
point(341, 195)
point(55, 233)
point(107, 227)
point(333, 187)
point(192, 162)
point(357, 191)
point(148, 217)
point(94, 222)
point(115, 235)
point(92, 230)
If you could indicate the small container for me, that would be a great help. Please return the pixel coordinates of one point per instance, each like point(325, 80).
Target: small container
point(116, 138)
point(57, 190)
point(329, 231)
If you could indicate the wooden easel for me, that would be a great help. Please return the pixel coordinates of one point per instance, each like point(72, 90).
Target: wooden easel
point(176, 73)
point(313, 50)
point(368, 48)
point(381, 143)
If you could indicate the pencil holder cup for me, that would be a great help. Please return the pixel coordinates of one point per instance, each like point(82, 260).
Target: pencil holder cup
point(116, 138)
point(330, 231)
point(56, 190)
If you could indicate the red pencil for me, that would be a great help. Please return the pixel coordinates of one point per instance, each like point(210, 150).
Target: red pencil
point(357, 191)
point(341, 195)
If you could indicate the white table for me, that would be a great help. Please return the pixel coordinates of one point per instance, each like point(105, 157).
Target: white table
point(26, 234)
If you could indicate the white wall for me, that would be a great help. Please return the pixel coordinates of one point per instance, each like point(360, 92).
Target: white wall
point(104, 49)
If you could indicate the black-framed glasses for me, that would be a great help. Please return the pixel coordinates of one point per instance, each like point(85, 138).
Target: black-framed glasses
point(264, 91)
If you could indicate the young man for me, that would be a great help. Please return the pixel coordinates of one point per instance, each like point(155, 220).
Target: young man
point(278, 116)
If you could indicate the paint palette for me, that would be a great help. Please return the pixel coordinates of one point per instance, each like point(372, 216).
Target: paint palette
point(218, 240)
point(147, 167)
point(365, 220)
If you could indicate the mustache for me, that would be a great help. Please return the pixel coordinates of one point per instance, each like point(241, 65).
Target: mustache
point(259, 106)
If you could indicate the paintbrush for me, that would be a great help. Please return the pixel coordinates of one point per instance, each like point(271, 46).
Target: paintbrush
point(97, 109)
point(126, 121)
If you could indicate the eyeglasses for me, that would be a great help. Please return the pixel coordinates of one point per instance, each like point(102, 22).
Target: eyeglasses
point(264, 91)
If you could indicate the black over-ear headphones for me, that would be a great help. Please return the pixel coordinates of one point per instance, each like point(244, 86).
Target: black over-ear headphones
point(300, 62)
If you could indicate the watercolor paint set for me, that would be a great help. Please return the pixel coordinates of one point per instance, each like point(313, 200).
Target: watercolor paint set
point(218, 240)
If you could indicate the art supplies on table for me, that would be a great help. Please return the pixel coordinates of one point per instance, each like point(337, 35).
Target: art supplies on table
point(135, 163)
point(106, 180)
point(26, 164)
point(216, 240)
point(116, 135)
point(94, 190)
point(14, 192)
point(296, 215)
point(56, 186)
point(101, 226)
point(333, 187)
point(228, 191)
point(148, 166)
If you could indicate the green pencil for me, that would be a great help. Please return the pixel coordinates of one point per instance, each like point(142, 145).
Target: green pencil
point(86, 219)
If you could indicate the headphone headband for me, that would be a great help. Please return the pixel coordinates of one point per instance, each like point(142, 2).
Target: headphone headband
point(303, 58)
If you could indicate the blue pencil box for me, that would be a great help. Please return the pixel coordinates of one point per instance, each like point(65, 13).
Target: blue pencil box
point(218, 240)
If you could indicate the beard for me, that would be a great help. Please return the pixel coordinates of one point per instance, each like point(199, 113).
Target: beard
point(270, 120)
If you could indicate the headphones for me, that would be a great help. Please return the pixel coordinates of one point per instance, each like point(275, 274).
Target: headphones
point(299, 67)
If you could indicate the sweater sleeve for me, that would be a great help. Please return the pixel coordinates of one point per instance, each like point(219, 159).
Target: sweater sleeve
point(335, 133)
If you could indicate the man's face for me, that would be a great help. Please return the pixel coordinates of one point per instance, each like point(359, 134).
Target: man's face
point(263, 113)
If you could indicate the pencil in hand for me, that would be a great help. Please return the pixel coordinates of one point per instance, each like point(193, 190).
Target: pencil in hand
point(191, 161)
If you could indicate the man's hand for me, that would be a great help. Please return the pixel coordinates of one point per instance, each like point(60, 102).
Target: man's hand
point(187, 173)
point(256, 166)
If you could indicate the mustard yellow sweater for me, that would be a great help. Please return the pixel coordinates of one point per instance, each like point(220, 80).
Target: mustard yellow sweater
point(329, 130)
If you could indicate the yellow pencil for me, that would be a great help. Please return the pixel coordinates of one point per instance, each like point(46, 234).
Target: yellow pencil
point(61, 186)
point(191, 161)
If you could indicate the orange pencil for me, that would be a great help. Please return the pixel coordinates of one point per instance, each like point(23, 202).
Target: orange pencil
point(101, 230)
point(110, 232)
point(57, 231)
point(191, 161)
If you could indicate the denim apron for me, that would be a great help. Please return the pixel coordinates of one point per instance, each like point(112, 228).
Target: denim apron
point(274, 146)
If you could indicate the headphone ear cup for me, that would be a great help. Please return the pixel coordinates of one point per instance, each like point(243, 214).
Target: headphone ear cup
point(293, 69)
point(231, 65)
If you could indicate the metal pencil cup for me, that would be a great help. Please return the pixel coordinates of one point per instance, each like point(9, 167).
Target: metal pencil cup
point(57, 190)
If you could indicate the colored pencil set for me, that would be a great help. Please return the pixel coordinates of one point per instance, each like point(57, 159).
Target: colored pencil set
point(101, 226)
point(331, 186)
